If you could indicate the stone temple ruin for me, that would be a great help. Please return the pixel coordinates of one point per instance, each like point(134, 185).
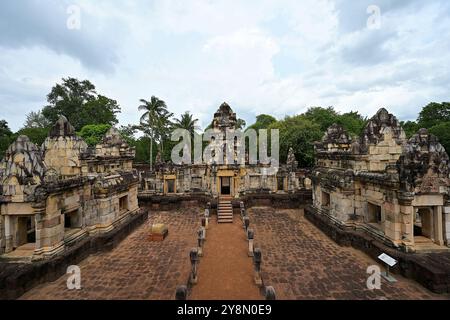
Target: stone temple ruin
point(380, 192)
point(231, 179)
point(53, 197)
point(394, 189)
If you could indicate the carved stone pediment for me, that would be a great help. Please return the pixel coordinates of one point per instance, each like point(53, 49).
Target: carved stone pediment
point(23, 165)
point(375, 129)
point(424, 164)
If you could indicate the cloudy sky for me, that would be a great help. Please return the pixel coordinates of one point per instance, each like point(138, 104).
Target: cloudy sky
point(261, 56)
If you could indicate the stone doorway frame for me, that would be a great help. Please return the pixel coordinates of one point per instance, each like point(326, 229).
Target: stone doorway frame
point(434, 222)
point(222, 186)
point(228, 174)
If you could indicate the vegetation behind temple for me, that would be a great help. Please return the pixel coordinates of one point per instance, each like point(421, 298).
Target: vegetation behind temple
point(92, 115)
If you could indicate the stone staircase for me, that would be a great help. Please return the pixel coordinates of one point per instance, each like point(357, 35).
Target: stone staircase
point(225, 210)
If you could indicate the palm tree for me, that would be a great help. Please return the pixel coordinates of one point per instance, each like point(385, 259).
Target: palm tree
point(163, 129)
point(154, 111)
point(187, 122)
point(240, 124)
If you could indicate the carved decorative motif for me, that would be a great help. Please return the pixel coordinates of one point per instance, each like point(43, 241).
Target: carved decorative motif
point(62, 128)
point(224, 118)
point(376, 128)
point(424, 164)
point(23, 164)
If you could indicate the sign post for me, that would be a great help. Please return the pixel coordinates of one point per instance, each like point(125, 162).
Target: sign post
point(389, 262)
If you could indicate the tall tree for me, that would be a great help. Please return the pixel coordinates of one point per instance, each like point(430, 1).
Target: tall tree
point(299, 133)
point(92, 134)
point(36, 135)
point(5, 137)
point(442, 131)
point(352, 121)
point(154, 110)
point(187, 122)
point(163, 129)
point(80, 103)
point(433, 114)
point(240, 124)
point(410, 127)
point(36, 120)
point(325, 117)
point(263, 121)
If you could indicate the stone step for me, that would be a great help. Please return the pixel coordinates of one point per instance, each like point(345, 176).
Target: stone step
point(229, 214)
point(225, 210)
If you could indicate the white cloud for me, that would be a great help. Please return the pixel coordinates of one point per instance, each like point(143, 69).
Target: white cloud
point(261, 56)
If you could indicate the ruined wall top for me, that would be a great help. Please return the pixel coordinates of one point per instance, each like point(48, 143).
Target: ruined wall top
point(424, 165)
point(62, 128)
point(291, 160)
point(23, 165)
point(114, 145)
point(336, 138)
point(224, 118)
point(381, 123)
point(62, 149)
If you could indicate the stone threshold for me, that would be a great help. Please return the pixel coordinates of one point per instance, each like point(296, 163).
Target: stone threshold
point(431, 270)
point(18, 278)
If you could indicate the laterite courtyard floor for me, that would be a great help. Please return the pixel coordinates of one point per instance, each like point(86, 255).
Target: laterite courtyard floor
point(299, 261)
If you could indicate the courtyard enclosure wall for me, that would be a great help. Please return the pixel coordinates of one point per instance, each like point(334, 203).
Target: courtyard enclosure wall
point(54, 196)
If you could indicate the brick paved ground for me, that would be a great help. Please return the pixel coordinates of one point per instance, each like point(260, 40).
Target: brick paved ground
point(225, 271)
point(137, 268)
point(301, 262)
point(298, 260)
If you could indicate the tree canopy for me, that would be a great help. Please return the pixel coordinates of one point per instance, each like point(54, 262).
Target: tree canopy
point(155, 122)
point(324, 117)
point(299, 133)
point(80, 103)
point(36, 135)
point(410, 127)
point(92, 134)
point(5, 137)
point(36, 120)
point(442, 131)
point(436, 118)
point(263, 121)
point(434, 114)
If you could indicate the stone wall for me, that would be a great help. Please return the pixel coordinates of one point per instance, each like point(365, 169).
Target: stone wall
point(378, 181)
point(16, 279)
point(69, 191)
point(431, 270)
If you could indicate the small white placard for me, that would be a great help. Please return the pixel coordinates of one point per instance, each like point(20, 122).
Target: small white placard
point(387, 259)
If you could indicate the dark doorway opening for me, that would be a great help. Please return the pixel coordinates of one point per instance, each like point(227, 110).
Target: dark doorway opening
point(170, 186)
point(423, 223)
point(225, 187)
point(26, 230)
point(280, 183)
